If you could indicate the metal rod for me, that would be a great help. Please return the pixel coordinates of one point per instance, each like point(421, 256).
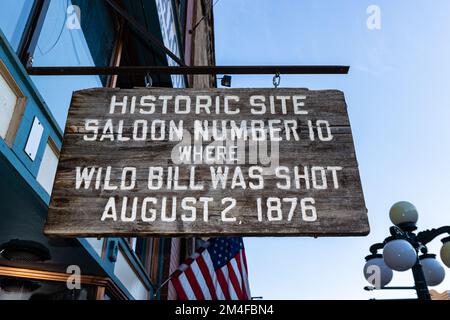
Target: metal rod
point(32, 31)
point(158, 289)
point(429, 235)
point(375, 247)
point(212, 70)
point(371, 288)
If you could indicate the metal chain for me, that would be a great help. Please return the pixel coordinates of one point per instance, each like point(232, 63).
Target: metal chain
point(276, 80)
point(148, 81)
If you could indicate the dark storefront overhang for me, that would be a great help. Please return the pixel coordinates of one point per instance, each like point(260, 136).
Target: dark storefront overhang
point(23, 216)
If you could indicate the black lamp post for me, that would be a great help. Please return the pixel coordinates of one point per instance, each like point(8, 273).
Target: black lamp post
point(401, 252)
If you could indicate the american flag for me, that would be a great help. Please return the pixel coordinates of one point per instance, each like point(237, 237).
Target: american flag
point(217, 271)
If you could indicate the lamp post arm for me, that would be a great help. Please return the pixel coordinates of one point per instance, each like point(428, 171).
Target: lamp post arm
point(429, 235)
point(375, 247)
point(397, 232)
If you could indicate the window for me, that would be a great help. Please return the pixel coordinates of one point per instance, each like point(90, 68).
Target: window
point(47, 170)
point(97, 244)
point(181, 6)
point(59, 45)
point(14, 16)
point(12, 105)
point(142, 250)
point(132, 242)
point(129, 278)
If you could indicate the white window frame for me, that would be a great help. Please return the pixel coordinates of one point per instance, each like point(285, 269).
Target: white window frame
point(19, 108)
point(55, 150)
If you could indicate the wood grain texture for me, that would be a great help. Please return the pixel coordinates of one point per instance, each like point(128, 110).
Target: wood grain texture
point(340, 208)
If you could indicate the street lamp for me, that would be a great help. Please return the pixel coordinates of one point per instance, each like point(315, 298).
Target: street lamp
point(401, 252)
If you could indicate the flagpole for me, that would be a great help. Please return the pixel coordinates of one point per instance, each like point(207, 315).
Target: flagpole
point(155, 293)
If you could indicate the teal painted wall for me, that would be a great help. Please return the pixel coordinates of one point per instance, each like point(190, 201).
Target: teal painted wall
point(35, 107)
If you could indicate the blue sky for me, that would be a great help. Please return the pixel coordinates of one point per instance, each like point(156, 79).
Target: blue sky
point(398, 96)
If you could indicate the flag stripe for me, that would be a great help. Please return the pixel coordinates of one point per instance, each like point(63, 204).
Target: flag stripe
point(236, 270)
point(207, 275)
point(194, 284)
point(234, 280)
point(242, 278)
point(187, 287)
point(228, 284)
point(241, 262)
point(245, 261)
point(201, 279)
point(221, 277)
point(180, 291)
point(210, 265)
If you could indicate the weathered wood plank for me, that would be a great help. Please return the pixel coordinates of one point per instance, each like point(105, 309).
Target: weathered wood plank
point(327, 201)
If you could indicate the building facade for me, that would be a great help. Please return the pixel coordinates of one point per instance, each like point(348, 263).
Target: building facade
point(33, 111)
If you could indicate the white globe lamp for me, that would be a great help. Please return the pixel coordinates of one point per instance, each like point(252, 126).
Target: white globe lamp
point(399, 255)
point(445, 252)
point(404, 215)
point(433, 271)
point(376, 272)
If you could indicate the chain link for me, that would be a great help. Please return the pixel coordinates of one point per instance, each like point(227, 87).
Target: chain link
point(276, 80)
point(148, 81)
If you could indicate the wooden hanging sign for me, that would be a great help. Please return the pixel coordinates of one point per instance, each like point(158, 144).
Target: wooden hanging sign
point(213, 162)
